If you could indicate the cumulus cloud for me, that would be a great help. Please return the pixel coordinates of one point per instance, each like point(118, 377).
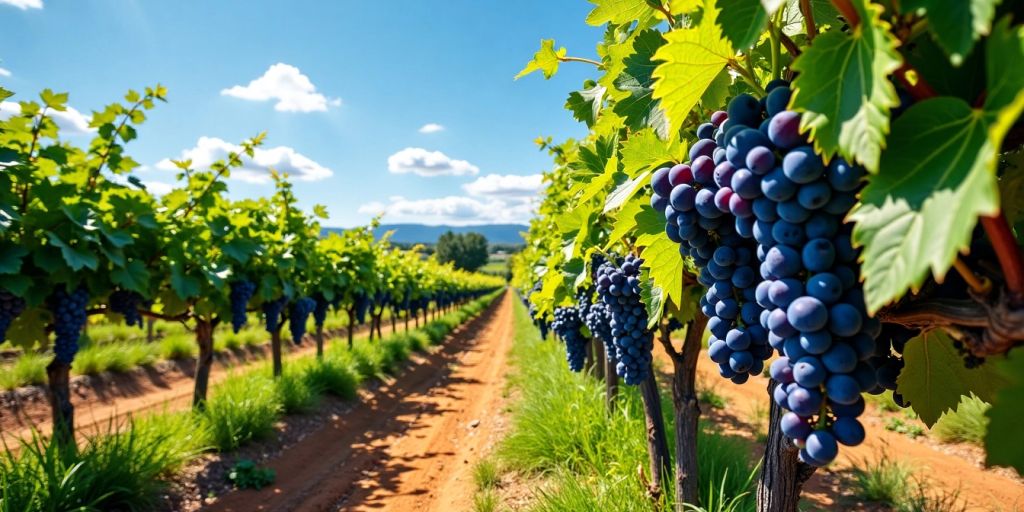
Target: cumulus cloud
point(454, 210)
point(24, 4)
point(256, 169)
point(428, 163)
point(4, 72)
point(505, 185)
point(431, 128)
point(293, 91)
point(70, 121)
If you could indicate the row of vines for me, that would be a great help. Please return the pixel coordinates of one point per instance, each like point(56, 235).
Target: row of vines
point(828, 192)
point(80, 235)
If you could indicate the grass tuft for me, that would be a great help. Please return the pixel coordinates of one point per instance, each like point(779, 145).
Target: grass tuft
point(241, 409)
point(486, 474)
point(967, 424)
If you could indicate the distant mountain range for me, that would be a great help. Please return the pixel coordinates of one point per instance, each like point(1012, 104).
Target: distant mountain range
point(424, 234)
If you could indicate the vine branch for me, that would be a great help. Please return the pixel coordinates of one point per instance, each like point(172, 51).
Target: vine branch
point(978, 285)
point(582, 59)
point(1005, 245)
point(845, 7)
point(808, 13)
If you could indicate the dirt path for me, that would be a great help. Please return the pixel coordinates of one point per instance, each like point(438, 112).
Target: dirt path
point(412, 445)
point(945, 468)
point(115, 397)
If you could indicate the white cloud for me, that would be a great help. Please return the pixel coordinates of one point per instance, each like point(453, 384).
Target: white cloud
point(431, 128)
point(454, 210)
point(158, 188)
point(428, 163)
point(293, 91)
point(70, 121)
point(507, 185)
point(254, 170)
point(24, 4)
point(4, 72)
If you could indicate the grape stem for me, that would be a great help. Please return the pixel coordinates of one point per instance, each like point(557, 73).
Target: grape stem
point(668, 16)
point(979, 285)
point(581, 59)
point(746, 76)
point(845, 7)
point(773, 36)
point(808, 13)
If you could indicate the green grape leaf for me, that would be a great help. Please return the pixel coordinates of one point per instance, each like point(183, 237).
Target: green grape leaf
point(937, 178)
point(1002, 437)
point(76, 257)
point(546, 60)
point(618, 11)
point(11, 258)
point(606, 179)
point(184, 285)
point(644, 150)
point(661, 255)
point(4, 94)
point(625, 220)
point(624, 192)
point(240, 249)
point(639, 107)
point(718, 92)
point(1011, 187)
point(844, 91)
point(935, 377)
point(585, 105)
point(742, 21)
point(955, 25)
point(653, 297)
point(28, 330)
point(132, 276)
point(17, 284)
point(690, 61)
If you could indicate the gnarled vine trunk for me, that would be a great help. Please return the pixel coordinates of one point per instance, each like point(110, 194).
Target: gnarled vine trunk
point(686, 408)
point(782, 474)
point(597, 349)
point(319, 341)
point(611, 383)
point(659, 462)
point(58, 375)
point(204, 338)
point(351, 325)
point(275, 350)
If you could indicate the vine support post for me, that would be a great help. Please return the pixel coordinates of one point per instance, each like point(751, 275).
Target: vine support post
point(611, 383)
point(150, 334)
point(204, 338)
point(686, 408)
point(659, 461)
point(406, 320)
point(58, 378)
point(275, 350)
point(597, 349)
point(782, 474)
point(351, 325)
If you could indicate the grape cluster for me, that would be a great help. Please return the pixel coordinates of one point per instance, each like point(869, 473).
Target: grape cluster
point(127, 303)
point(10, 307)
point(272, 311)
point(567, 327)
point(320, 310)
point(241, 293)
point(700, 203)
point(619, 288)
point(69, 317)
point(297, 317)
point(596, 316)
point(888, 360)
point(362, 304)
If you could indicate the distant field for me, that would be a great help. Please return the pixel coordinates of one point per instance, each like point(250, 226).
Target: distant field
point(497, 265)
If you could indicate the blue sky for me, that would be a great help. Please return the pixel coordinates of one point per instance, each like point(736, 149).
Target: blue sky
point(343, 89)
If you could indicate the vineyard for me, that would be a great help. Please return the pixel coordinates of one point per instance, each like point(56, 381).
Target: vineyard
point(812, 196)
point(779, 269)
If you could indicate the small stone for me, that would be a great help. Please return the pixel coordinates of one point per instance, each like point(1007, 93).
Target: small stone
point(474, 424)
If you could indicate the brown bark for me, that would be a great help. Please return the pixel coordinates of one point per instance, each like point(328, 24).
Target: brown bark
point(204, 338)
point(657, 440)
point(275, 350)
point(686, 408)
point(611, 383)
point(782, 474)
point(150, 334)
point(58, 376)
point(597, 349)
point(319, 341)
point(351, 325)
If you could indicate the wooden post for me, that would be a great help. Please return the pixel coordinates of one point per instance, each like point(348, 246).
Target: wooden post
point(204, 338)
point(351, 324)
point(782, 474)
point(611, 383)
point(319, 341)
point(657, 440)
point(275, 349)
point(58, 376)
point(597, 349)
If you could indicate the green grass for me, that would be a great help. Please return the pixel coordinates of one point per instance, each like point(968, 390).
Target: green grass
point(116, 356)
point(892, 483)
point(967, 424)
point(560, 428)
point(486, 475)
point(333, 376)
point(709, 395)
point(883, 401)
point(486, 501)
point(28, 369)
point(242, 408)
point(296, 394)
point(908, 427)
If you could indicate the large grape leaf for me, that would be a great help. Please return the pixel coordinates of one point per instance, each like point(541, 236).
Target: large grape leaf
point(604, 181)
point(653, 297)
point(28, 329)
point(639, 107)
point(625, 191)
point(955, 25)
point(1002, 438)
point(625, 220)
point(586, 104)
point(661, 255)
point(546, 60)
point(742, 21)
point(844, 91)
point(689, 61)
point(618, 11)
point(644, 150)
point(935, 378)
point(937, 178)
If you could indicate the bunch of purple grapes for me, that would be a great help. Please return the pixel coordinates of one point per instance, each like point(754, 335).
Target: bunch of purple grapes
point(699, 206)
point(127, 303)
point(320, 310)
point(241, 293)
point(888, 359)
point(362, 304)
point(297, 317)
point(69, 317)
point(567, 326)
point(272, 311)
point(10, 307)
point(619, 289)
